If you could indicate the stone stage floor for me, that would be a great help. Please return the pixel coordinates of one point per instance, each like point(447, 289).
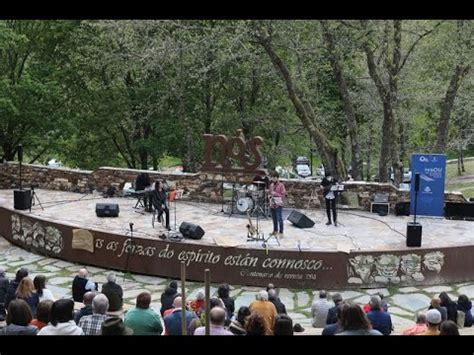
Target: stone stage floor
point(356, 230)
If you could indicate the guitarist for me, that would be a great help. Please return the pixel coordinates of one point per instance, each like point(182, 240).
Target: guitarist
point(329, 196)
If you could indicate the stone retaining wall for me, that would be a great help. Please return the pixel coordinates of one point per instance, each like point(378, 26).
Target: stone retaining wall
point(204, 187)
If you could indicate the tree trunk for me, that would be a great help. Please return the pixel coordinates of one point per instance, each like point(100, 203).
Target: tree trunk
point(356, 161)
point(304, 111)
point(443, 126)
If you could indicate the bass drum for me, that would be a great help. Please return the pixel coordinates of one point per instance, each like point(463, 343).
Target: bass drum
point(244, 204)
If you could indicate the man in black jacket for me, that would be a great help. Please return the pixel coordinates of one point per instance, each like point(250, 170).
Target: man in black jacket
point(11, 290)
point(168, 297)
point(273, 298)
point(330, 197)
point(4, 282)
point(114, 292)
point(81, 284)
point(332, 313)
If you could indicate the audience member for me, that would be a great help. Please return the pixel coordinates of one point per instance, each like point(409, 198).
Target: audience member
point(200, 319)
point(4, 282)
point(283, 325)
point(62, 322)
point(419, 327)
point(320, 309)
point(81, 284)
point(198, 304)
point(10, 295)
point(450, 305)
point(265, 308)
point(448, 327)
point(379, 319)
point(436, 304)
point(87, 309)
point(332, 312)
point(142, 319)
point(113, 292)
point(26, 291)
point(354, 322)
point(256, 325)
point(168, 296)
point(273, 298)
point(40, 286)
point(334, 328)
point(383, 305)
point(173, 322)
point(216, 319)
point(92, 324)
point(18, 319)
point(223, 292)
point(237, 325)
point(43, 314)
point(115, 326)
point(433, 320)
point(465, 305)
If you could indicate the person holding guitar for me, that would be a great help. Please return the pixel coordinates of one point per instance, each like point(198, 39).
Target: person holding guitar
point(277, 192)
point(330, 197)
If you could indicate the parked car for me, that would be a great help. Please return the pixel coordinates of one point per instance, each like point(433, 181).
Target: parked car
point(53, 163)
point(303, 170)
point(406, 175)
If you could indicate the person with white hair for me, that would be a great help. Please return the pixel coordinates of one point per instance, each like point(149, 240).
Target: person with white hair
point(265, 308)
point(114, 292)
point(379, 319)
point(173, 320)
point(419, 327)
point(320, 309)
point(92, 325)
point(81, 284)
point(199, 303)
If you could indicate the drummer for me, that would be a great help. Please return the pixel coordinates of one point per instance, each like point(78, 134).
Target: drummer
point(261, 181)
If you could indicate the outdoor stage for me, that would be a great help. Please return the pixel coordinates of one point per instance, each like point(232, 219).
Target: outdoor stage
point(365, 250)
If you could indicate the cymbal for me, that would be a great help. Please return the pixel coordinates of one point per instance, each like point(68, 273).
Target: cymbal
point(258, 182)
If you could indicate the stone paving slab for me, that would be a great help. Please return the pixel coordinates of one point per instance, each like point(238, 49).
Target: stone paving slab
point(362, 300)
point(59, 292)
point(303, 299)
point(400, 324)
point(130, 294)
point(385, 292)
point(51, 268)
point(467, 290)
point(60, 281)
point(399, 311)
point(46, 261)
point(437, 289)
point(64, 264)
point(413, 302)
point(348, 295)
point(148, 279)
point(408, 289)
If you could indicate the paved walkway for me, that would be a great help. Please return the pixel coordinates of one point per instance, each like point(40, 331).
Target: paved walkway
point(404, 302)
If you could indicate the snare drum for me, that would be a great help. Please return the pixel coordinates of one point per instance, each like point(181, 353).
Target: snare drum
point(241, 193)
point(244, 204)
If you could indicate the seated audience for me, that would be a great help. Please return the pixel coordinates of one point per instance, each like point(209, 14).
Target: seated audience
point(237, 325)
point(200, 319)
point(92, 324)
point(12, 286)
point(354, 322)
point(115, 326)
point(40, 286)
point(379, 319)
point(319, 310)
point(273, 298)
point(4, 282)
point(332, 312)
point(419, 327)
point(436, 304)
point(62, 322)
point(87, 309)
point(265, 308)
point(433, 320)
point(256, 325)
point(223, 292)
point(465, 305)
point(383, 307)
point(142, 319)
point(168, 296)
point(113, 292)
point(450, 305)
point(26, 291)
point(283, 325)
point(43, 314)
point(198, 304)
point(173, 320)
point(18, 319)
point(216, 319)
point(81, 284)
point(448, 327)
point(334, 328)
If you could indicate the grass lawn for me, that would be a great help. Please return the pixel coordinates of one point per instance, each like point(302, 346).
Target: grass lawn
point(463, 183)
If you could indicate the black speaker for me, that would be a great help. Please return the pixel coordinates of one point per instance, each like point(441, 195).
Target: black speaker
point(20, 153)
point(413, 234)
point(382, 209)
point(417, 182)
point(459, 210)
point(402, 209)
point(107, 209)
point(192, 231)
point(22, 199)
point(300, 220)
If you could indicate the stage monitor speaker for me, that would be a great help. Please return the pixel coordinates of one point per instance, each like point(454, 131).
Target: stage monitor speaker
point(402, 209)
point(413, 234)
point(382, 209)
point(417, 182)
point(459, 210)
point(22, 199)
point(107, 209)
point(300, 220)
point(192, 231)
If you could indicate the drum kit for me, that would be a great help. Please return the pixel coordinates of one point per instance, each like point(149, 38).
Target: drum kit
point(251, 199)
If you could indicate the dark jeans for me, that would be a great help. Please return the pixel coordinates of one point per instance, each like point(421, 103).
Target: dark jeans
point(277, 218)
point(160, 213)
point(331, 204)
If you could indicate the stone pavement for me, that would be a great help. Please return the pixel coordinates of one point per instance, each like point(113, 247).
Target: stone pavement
point(404, 302)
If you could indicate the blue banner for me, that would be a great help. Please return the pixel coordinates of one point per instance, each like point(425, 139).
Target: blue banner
point(432, 170)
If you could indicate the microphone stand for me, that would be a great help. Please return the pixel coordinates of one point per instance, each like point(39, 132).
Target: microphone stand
point(131, 249)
